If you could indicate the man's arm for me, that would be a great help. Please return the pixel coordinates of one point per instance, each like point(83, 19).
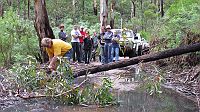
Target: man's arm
point(52, 64)
point(57, 52)
point(75, 36)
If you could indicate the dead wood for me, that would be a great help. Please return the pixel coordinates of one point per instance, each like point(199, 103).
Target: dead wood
point(145, 58)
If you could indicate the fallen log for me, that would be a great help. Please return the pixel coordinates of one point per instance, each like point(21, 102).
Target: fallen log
point(144, 58)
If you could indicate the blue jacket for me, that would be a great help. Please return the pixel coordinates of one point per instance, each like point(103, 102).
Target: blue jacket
point(62, 35)
point(108, 37)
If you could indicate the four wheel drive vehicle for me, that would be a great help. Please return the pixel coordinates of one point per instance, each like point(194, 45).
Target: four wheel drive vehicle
point(131, 44)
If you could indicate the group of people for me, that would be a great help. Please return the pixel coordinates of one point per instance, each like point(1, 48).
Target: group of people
point(109, 45)
point(82, 45)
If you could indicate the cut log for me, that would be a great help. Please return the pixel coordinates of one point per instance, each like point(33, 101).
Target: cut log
point(136, 60)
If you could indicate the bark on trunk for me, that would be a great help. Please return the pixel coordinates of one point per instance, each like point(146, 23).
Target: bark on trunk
point(24, 9)
point(28, 9)
point(133, 9)
point(155, 2)
point(9, 2)
point(158, 3)
point(161, 8)
point(95, 7)
point(41, 24)
point(112, 15)
point(18, 6)
point(136, 60)
point(83, 8)
point(74, 2)
point(103, 12)
point(1, 9)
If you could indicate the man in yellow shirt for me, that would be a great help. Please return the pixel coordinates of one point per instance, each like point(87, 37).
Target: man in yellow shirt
point(56, 48)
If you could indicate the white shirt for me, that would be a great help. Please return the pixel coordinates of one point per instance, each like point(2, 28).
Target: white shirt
point(75, 32)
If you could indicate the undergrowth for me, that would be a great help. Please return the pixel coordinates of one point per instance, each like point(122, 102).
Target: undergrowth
point(31, 77)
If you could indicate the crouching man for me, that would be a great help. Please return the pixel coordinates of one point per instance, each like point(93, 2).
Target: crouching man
point(56, 48)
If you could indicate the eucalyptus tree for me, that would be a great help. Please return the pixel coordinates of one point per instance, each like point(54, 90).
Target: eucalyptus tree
point(42, 25)
point(161, 8)
point(103, 12)
point(133, 8)
point(1, 8)
point(112, 14)
point(95, 7)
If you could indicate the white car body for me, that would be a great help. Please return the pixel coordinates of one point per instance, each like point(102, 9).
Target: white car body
point(134, 39)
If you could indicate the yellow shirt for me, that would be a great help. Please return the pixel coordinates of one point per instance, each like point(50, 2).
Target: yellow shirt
point(59, 48)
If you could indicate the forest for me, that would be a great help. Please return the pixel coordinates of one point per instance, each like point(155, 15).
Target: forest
point(164, 79)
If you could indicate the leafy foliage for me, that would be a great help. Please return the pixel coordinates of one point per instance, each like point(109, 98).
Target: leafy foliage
point(17, 38)
point(180, 19)
point(60, 84)
point(152, 84)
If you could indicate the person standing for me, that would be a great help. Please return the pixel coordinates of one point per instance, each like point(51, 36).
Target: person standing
point(81, 42)
point(108, 44)
point(88, 43)
point(75, 33)
point(115, 47)
point(101, 43)
point(62, 35)
point(86, 32)
point(95, 45)
point(56, 48)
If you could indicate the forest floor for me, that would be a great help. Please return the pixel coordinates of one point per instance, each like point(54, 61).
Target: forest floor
point(127, 79)
point(183, 80)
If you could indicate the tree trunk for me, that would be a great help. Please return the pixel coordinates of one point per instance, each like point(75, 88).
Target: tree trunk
point(103, 12)
point(28, 9)
point(158, 3)
point(9, 2)
point(41, 25)
point(161, 8)
point(24, 9)
point(1, 9)
point(95, 7)
point(112, 15)
point(83, 8)
point(74, 2)
point(155, 2)
point(18, 6)
point(136, 60)
point(142, 16)
point(133, 9)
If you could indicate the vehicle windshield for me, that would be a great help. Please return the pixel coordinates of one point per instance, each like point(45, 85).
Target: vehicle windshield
point(128, 33)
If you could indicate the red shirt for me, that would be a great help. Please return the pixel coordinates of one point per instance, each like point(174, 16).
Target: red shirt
point(82, 37)
point(86, 34)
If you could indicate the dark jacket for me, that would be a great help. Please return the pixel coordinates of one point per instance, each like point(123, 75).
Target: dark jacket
point(115, 40)
point(108, 37)
point(88, 44)
point(62, 35)
point(101, 39)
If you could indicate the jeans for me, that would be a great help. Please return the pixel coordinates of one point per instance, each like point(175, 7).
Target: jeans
point(107, 52)
point(76, 51)
point(87, 56)
point(68, 54)
point(81, 51)
point(102, 58)
point(94, 51)
point(115, 50)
